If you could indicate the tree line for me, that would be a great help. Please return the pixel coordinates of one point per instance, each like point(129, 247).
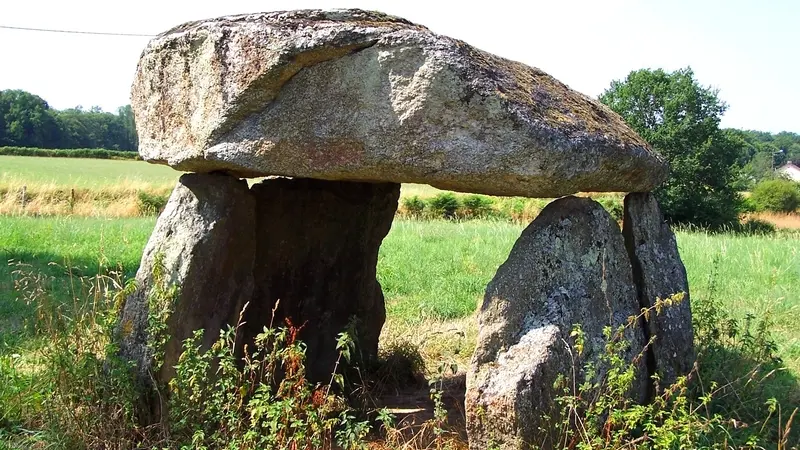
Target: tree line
point(26, 120)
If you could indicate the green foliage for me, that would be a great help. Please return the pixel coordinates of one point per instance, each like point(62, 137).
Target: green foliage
point(445, 205)
point(739, 361)
point(477, 206)
point(161, 300)
point(264, 401)
point(97, 153)
point(28, 121)
point(75, 390)
point(150, 204)
point(754, 227)
point(680, 118)
point(614, 206)
point(776, 195)
point(413, 206)
point(596, 410)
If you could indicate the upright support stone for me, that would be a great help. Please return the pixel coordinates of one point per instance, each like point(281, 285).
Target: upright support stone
point(316, 253)
point(659, 273)
point(204, 242)
point(569, 267)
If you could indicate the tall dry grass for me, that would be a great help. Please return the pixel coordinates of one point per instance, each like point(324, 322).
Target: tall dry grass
point(785, 221)
point(49, 199)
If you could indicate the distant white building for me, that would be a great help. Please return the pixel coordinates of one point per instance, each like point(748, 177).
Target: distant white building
point(790, 170)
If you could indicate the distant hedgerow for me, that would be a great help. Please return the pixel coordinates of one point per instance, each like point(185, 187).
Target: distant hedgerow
point(96, 153)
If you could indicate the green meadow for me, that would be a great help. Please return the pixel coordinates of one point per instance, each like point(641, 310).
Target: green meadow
point(429, 270)
point(83, 172)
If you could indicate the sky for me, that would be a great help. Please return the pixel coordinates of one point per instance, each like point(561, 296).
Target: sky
point(748, 50)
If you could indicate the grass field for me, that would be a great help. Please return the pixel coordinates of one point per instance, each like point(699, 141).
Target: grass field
point(433, 275)
point(433, 270)
point(83, 173)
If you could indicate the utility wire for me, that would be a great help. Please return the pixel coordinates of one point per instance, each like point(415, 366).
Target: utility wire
point(96, 33)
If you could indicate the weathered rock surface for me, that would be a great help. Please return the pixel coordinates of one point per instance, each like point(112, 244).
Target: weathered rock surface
point(569, 267)
point(204, 242)
point(659, 273)
point(312, 245)
point(355, 95)
point(317, 249)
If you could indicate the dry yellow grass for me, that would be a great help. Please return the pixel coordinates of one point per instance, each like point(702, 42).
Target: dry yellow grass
point(50, 199)
point(786, 221)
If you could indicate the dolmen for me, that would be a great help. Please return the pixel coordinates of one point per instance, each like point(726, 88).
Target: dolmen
point(335, 109)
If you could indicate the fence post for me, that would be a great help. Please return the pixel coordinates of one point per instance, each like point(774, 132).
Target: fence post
point(24, 196)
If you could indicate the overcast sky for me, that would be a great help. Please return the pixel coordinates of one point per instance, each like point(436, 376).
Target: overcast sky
point(749, 50)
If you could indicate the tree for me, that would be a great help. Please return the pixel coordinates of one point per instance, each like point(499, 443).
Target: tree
point(680, 119)
point(27, 120)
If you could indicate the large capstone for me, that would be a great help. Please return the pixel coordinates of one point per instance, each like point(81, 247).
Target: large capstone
point(659, 274)
point(568, 268)
point(362, 96)
point(317, 250)
point(203, 248)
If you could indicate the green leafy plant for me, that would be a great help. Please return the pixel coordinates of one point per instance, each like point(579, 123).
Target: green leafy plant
point(150, 204)
point(261, 401)
point(778, 195)
point(413, 206)
point(445, 205)
point(477, 206)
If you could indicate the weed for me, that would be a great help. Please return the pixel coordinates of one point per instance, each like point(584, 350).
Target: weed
point(444, 205)
point(477, 206)
point(413, 206)
point(150, 204)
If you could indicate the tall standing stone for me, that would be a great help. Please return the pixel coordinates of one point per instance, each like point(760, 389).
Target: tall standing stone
point(317, 250)
point(204, 242)
point(568, 267)
point(659, 273)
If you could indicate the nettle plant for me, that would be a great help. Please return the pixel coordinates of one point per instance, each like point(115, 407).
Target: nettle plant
point(261, 399)
point(599, 413)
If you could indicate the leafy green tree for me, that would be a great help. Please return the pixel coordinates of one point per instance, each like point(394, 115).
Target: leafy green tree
point(27, 120)
point(125, 114)
point(680, 119)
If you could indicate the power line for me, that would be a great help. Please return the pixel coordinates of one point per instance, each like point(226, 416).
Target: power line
point(96, 33)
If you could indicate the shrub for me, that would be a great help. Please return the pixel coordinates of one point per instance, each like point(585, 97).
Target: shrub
point(445, 204)
point(613, 206)
point(150, 204)
point(265, 402)
point(756, 227)
point(413, 206)
point(477, 206)
point(97, 153)
point(777, 195)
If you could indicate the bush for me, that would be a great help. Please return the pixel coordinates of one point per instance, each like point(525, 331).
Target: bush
point(150, 204)
point(445, 204)
point(477, 206)
point(777, 195)
point(613, 206)
point(756, 227)
point(97, 153)
point(413, 206)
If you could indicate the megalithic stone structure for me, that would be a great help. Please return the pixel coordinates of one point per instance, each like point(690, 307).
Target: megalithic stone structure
point(337, 108)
